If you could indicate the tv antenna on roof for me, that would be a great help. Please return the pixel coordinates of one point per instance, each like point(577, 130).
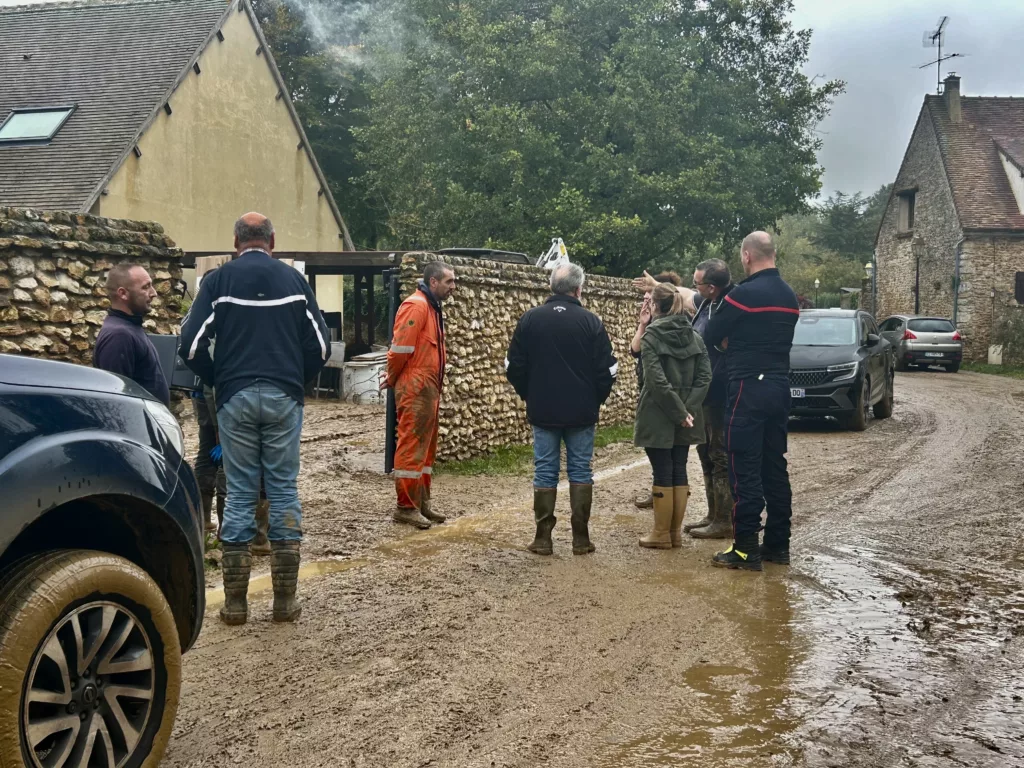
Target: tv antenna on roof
point(934, 38)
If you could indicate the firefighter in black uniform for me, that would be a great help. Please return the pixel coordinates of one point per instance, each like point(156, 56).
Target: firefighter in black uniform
point(755, 328)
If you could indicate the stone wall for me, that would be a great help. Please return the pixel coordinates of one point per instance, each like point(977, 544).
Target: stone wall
point(935, 221)
point(52, 269)
point(479, 410)
point(1008, 329)
point(988, 267)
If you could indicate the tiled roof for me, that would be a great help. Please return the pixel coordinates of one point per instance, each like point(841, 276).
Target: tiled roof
point(970, 152)
point(116, 60)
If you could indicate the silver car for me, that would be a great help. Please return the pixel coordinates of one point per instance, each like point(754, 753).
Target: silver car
point(919, 341)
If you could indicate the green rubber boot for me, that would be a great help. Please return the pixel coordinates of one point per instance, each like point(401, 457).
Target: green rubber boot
point(544, 516)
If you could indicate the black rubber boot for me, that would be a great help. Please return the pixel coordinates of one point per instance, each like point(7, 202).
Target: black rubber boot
point(721, 518)
point(208, 524)
point(581, 498)
point(743, 554)
point(261, 544)
point(284, 571)
point(775, 554)
point(710, 516)
point(427, 510)
point(544, 515)
point(235, 565)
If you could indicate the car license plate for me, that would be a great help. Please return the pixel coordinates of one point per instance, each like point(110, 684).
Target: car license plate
point(933, 354)
point(798, 393)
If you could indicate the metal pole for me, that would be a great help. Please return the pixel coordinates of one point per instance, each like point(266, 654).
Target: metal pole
point(390, 278)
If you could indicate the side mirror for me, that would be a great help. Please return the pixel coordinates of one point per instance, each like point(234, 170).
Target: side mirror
point(873, 339)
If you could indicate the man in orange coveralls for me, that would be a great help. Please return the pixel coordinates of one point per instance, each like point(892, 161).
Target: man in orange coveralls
point(416, 363)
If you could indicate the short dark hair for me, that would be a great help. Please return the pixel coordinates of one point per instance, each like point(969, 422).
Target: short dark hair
point(716, 272)
point(434, 270)
point(668, 276)
point(119, 276)
point(254, 233)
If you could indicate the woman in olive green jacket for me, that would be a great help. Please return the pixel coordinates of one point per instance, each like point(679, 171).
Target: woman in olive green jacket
point(669, 417)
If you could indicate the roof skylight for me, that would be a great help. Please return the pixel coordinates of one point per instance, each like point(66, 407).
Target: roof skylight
point(34, 124)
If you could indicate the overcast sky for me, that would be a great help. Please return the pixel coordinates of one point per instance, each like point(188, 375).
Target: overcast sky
point(875, 46)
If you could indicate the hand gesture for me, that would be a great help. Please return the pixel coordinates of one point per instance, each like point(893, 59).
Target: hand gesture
point(645, 283)
point(645, 313)
point(688, 421)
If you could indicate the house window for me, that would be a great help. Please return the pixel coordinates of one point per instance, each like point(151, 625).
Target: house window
point(1018, 288)
point(34, 124)
point(906, 211)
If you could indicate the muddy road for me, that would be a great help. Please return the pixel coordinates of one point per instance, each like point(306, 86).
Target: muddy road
point(896, 638)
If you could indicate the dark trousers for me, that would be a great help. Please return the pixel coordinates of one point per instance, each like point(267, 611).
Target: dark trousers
point(669, 465)
point(756, 437)
point(206, 471)
point(714, 459)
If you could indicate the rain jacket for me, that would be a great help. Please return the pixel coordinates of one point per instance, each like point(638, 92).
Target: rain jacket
point(677, 375)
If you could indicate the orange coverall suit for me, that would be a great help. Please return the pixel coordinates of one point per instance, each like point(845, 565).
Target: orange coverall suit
point(416, 363)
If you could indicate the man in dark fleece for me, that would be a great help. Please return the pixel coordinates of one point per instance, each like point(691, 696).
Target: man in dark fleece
point(122, 345)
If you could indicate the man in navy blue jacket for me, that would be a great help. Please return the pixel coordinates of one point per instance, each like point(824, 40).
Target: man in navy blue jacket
point(755, 328)
point(270, 339)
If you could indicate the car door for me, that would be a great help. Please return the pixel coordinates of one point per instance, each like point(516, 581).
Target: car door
point(875, 356)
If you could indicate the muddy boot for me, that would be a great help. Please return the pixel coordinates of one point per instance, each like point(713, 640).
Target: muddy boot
point(775, 554)
point(221, 502)
point(235, 565)
point(721, 523)
point(284, 571)
point(743, 554)
point(427, 510)
point(261, 545)
point(580, 500)
point(680, 495)
point(207, 498)
point(410, 516)
point(661, 536)
point(644, 501)
point(709, 517)
point(544, 516)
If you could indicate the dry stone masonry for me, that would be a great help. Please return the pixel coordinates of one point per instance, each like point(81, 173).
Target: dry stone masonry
point(53, 266)
point(479, 409)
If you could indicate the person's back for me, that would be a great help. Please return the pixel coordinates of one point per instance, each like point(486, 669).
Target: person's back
point(766, 310)
point(569, 371)
point(261, 313)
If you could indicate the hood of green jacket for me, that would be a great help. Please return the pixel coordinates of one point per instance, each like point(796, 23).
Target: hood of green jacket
point(672, 335)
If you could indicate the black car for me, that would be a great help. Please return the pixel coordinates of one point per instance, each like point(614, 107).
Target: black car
point(840, 366)
point(101, 567)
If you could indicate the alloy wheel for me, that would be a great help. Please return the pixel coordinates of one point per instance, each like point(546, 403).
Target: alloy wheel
point(90, 689)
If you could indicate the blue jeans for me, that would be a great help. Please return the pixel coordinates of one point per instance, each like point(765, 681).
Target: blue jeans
point(260, 428)
point(579, 452)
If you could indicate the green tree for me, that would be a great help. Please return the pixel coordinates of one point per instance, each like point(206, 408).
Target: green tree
point(641, 131)
point(330, 96)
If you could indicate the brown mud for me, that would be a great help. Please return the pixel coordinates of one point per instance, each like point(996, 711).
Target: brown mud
point(896, 638)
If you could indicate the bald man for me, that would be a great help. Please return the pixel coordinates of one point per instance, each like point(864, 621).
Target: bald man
point(754, 327)
point(122, 345)
point(270, 340)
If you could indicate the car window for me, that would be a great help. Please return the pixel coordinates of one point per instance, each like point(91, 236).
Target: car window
point(816, 331)
point(888, 325)
point(932, 325)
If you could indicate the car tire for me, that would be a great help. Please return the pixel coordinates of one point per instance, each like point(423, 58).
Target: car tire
point(883, 408)
point(109, 613)
point(953, 367)
point(901, 365)
point(858, 420)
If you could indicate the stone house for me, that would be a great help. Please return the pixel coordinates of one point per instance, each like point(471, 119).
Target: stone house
point(951, 241)
point(159, 110)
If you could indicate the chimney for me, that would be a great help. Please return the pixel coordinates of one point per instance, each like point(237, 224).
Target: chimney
point(952, 91)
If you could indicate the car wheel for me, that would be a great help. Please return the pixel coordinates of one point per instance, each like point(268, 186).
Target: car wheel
point(953, 367)
point(858, 420)
point(901, 365)
point(883, 408)
point(91, 667)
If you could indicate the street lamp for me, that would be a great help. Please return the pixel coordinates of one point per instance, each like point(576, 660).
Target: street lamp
point(817, 284)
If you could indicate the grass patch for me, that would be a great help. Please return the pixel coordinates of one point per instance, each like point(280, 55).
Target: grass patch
point(518, 459)
point(1013, 371)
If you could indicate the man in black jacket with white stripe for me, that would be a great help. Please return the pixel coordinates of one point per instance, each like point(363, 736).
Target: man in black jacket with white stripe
point(560, 362)
point(270, 339)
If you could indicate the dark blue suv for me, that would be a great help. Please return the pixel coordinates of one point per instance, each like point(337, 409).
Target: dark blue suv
point(101, 567)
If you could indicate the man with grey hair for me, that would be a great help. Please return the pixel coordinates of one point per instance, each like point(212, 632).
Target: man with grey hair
point(560, 362)
point(271, 339)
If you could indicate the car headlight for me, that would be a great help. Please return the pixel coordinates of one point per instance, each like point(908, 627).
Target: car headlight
point(168, 424)
point(844, 371)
